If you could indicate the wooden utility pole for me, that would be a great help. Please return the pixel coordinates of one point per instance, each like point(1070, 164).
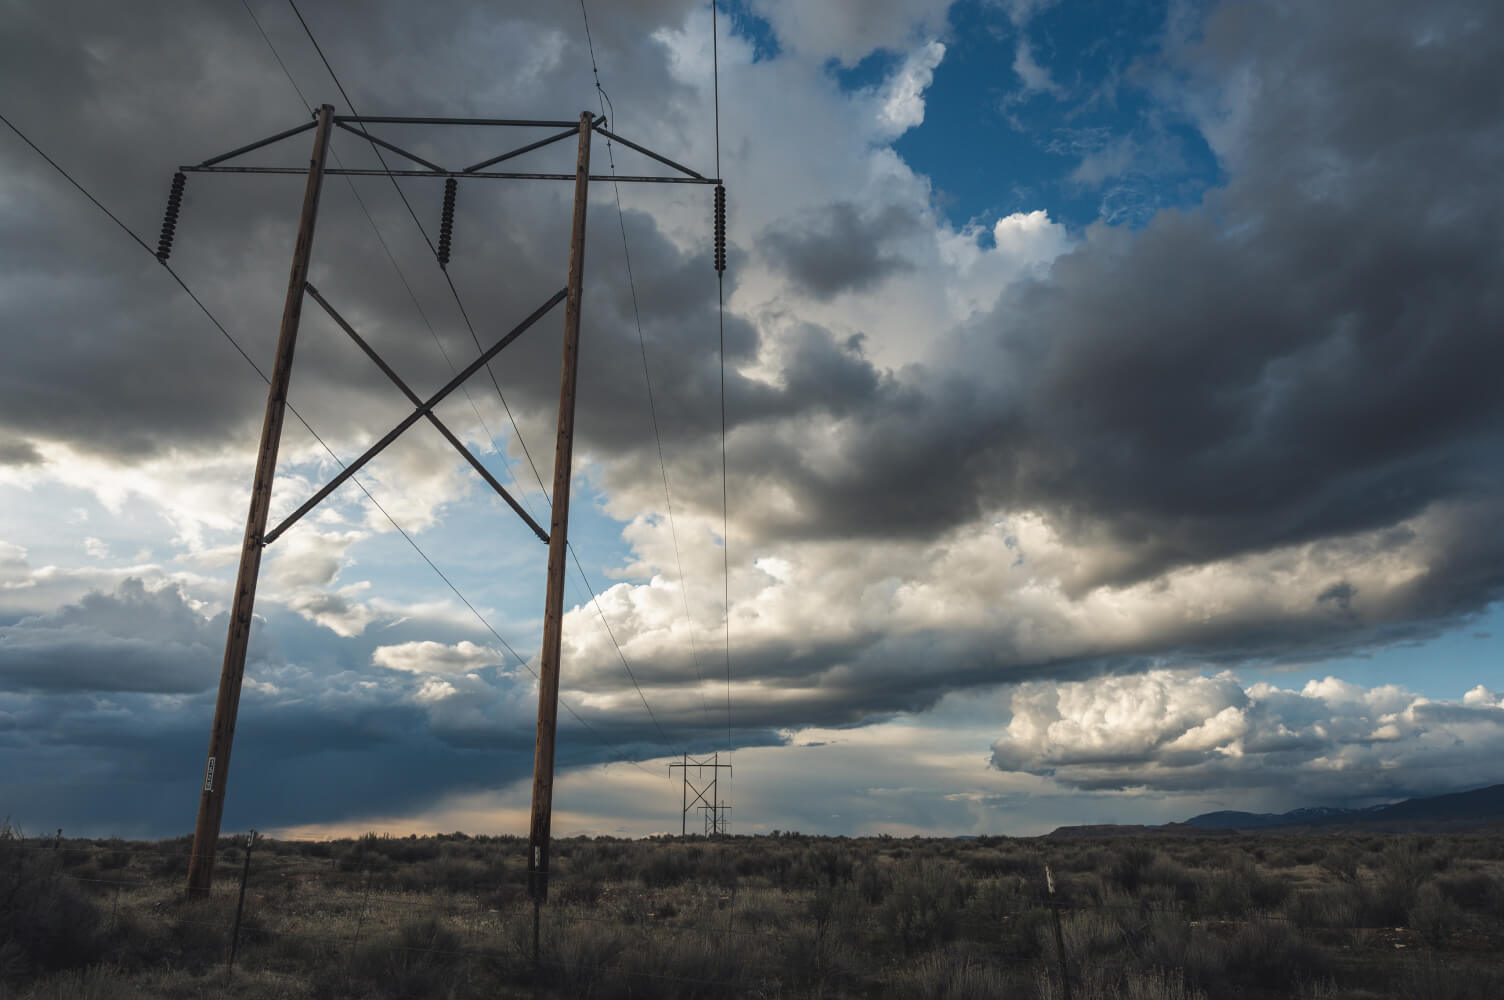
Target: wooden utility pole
point(558, 545)
point(217, 768)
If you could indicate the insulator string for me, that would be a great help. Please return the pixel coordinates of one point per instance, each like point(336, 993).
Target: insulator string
point(720, 227)
point(170, 217)
point(446, 222)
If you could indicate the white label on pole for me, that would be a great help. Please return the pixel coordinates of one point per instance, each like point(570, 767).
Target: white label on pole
point(209, 776)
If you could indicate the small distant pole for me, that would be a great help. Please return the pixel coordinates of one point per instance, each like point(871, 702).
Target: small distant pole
point(245, 874)
point(1065, 979)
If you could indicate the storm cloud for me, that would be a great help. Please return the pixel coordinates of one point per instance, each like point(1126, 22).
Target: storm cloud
point(839, 251)
point(132, 640)
point(1257, 428)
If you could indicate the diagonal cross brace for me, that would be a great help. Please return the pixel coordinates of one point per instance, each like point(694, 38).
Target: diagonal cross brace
point(573, 130)
point(408, 421)
point(439, 425)
point(386, 145)
point(700, 794)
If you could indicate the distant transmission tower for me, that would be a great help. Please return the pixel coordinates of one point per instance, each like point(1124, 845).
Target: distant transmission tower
point(716, 812)
point(717, 817)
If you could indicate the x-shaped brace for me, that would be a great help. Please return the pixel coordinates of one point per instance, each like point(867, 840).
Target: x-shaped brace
point(423, 408)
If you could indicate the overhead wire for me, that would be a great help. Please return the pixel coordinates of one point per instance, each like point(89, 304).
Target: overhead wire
point(315, 434)
point(438, 342)
point(646, 374)
point(464, 313)
point(381, 240)
point(422, 230)
point(720, 282)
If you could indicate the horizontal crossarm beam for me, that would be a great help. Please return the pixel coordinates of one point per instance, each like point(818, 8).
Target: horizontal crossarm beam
point(412, 418)
point(490, 174)
point(410, 120)
point(439, 425)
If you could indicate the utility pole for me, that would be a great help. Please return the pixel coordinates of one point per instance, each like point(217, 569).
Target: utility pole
point(211, 805)
point(558, 542)
point(257, 537)
point(704, 792)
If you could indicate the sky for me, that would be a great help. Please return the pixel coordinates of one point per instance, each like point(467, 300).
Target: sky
point(1112, 417)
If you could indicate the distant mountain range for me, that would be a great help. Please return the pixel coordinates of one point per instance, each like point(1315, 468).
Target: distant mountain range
point(1231, 820)
point(1481, 807)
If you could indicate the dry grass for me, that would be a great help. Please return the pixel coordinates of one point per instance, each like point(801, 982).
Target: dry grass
point(769, 917)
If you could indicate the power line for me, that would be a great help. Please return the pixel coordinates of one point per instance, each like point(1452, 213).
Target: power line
point(276, 55)
point(647, 377)
point(381, 240)
point(464, 313)
point(141, 243)
point(619, 652)
point(495, 384)
point(315, 434)
point(720, 283)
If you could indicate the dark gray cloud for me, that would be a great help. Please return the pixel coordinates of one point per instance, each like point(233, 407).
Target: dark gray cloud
point(132, 640)
point(1308, 356)
point(839, 249)
point(105, 709)
point(100, 318)
point(1309, 353)
point(19, 453)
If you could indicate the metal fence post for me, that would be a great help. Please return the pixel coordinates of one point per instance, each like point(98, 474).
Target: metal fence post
point(245, 874)
point(1065, 979)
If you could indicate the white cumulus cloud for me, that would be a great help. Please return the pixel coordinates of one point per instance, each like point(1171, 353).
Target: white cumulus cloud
point(1331, 740)
point(429, 657)
point(903, 97)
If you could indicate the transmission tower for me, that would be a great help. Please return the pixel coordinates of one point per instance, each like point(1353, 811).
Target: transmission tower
point(257, 537)
point(703, 791)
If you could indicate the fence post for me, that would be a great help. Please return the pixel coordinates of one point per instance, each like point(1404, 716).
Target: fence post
point(245, 874)
point(537, 956)
point(1065, 979)
point(361, 916)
